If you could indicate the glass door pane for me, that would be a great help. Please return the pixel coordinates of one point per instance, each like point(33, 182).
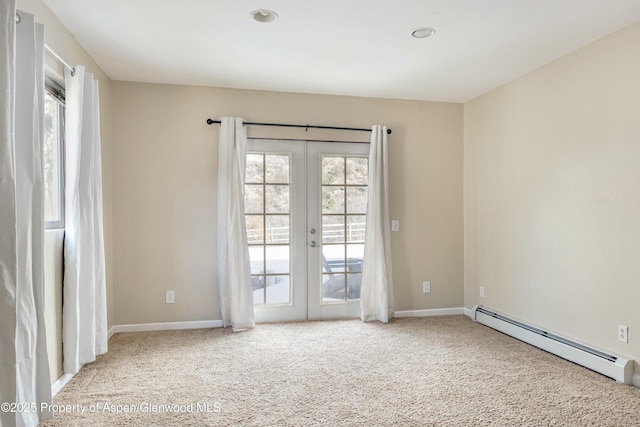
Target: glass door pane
point(344, 208)
point(268, 212)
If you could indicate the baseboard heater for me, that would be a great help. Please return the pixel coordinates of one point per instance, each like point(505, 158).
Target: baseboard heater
point(616, 367)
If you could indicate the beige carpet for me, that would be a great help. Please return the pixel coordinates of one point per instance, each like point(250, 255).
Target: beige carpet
point(444, 371)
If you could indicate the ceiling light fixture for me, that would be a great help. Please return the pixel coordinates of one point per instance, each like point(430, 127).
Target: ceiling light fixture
point(423, 32)
point(264, 15)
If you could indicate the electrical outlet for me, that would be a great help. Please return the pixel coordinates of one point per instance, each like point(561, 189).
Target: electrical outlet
point(623, 333)
point(395, 225)
point(170, 297)
point(481, 291)
point(426, 287)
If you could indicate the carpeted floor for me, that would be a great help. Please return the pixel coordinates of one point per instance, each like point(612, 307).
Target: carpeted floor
point(441, 371)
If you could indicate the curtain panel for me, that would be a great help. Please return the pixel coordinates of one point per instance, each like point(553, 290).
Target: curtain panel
point(234, 270)
point(84, 313)
point(24, 366)
point(376, 297)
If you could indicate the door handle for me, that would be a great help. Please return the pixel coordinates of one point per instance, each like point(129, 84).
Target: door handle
point(313, 244)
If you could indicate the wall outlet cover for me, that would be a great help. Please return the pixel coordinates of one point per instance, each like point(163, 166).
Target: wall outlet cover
point(170, 297)
point(426, 287)
point(623, 333)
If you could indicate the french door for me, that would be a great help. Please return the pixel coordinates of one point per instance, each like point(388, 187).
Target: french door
point(305, 206)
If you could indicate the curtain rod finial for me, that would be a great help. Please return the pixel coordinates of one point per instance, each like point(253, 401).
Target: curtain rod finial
point(209, 121)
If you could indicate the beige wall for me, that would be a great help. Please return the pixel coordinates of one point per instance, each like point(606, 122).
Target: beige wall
point(552, 206)
point(165, 191)
point(64, 44)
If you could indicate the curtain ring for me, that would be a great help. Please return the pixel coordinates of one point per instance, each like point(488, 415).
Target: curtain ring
point(18, 18)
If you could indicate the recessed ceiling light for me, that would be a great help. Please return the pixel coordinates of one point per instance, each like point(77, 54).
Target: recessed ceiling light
point(264, 15)
point(423, 33)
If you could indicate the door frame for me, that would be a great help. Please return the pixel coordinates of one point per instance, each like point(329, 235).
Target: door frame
point(306, 271)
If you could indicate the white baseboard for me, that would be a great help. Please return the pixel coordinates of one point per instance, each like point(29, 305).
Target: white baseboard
point(468, 312)
point(427, 313)
point(165, 326)
point(60, 382)
point(635, 380)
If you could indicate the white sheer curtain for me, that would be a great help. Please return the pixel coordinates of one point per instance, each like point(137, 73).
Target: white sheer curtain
point(84, 312)
point(376, 297)
point(24, 368)
point(234, 270)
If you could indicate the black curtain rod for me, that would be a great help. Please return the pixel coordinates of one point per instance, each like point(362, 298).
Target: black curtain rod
point(211, 121)
point(308, 140)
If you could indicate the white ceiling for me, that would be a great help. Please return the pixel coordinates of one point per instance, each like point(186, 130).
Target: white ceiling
point(341, 47)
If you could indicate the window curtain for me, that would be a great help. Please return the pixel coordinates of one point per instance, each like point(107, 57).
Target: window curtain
point(376, 296)
point(234, 270)
point(84, 311)
point(24, 367)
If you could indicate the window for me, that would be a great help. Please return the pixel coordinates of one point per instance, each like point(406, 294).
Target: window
point(53, 155)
